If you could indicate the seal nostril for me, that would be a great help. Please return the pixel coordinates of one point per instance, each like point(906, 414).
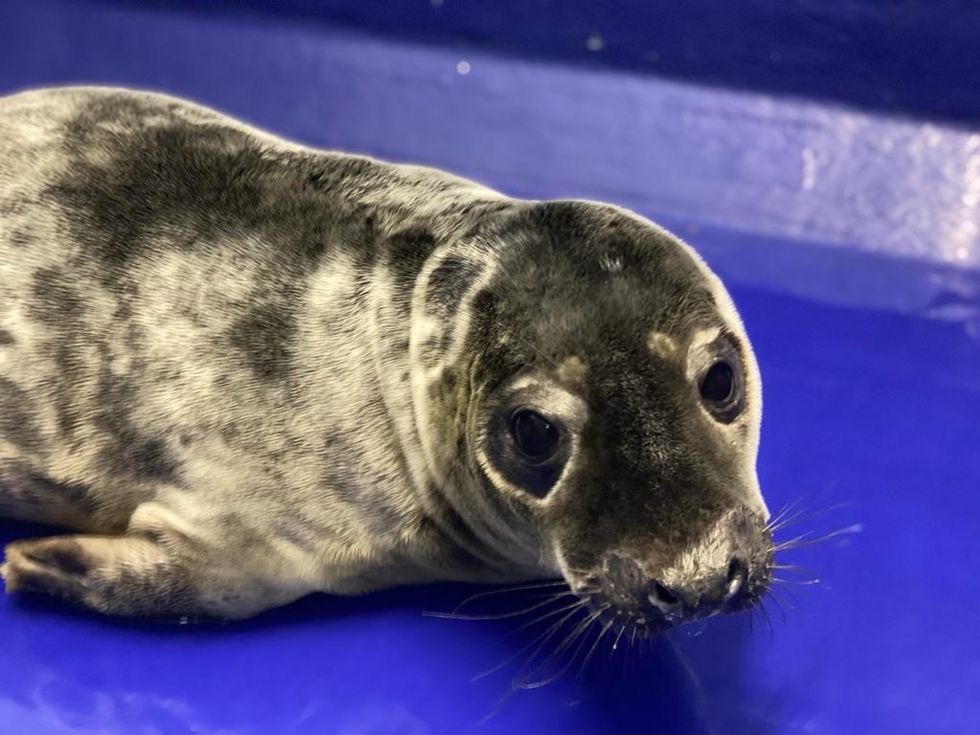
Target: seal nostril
point(663, 594)
point(734, 568)
point(735, 578)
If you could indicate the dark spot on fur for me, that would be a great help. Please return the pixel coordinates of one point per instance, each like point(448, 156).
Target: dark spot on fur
point(52, 585)
point(41, 485)
point(63, 555)
point(202, 185)
point(444, 391)
point(29, 495)
point(131, 451)
point(449, 282)
point(407, 253)
point(202, 179)
point(153, 459)
point(17, 420)
point(21, 237)
point(485, 302)
point(54, 302)
point(6, 338)
point(264, 336)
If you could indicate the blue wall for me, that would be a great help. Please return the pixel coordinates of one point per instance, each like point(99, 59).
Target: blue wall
point(906, 58)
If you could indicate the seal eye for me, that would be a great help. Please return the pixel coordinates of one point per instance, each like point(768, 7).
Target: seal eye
point(535, 436)
point(721, 389)
point(718, 383)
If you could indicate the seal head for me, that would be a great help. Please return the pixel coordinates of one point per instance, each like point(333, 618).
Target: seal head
point(612, 403)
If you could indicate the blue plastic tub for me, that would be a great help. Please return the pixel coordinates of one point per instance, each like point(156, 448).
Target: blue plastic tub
point(850, 237)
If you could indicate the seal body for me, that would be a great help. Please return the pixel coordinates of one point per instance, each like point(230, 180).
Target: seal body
point(242, 370)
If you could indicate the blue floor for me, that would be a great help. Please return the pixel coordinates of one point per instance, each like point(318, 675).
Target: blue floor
point(876, 413)
point(871, 406)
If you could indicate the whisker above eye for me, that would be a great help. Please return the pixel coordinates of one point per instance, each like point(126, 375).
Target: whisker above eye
point(779, 517)
point(806, 539)
point(803, 514)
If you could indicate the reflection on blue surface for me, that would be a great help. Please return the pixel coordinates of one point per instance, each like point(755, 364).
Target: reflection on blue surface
point(870, 416)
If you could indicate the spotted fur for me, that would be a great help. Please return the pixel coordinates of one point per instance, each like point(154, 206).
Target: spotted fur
point(244, 370)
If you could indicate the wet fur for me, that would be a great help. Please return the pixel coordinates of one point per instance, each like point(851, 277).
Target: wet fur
point(245, 370)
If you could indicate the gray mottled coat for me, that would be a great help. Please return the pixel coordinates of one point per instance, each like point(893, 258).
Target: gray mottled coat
point(243, 370)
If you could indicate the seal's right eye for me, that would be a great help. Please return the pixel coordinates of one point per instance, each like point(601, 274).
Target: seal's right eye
point(718, 384)
point(722, 386)
point(536, 437)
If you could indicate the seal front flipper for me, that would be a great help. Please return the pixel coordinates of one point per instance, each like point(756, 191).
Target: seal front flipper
point(139, 574)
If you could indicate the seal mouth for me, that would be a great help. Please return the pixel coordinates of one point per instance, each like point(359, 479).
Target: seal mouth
point(647, 622)
point(654, 608)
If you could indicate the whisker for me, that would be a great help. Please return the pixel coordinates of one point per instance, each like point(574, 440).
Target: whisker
point(793, 568)
point(578, 634)
point(701, 696)
point(799, 582)
point(615, 644)
point(507, 590)
point(575, 634)
point(804, 539)
point(499, 616)
point(550, 613)
point(746, 622)
point(804, 514)
point(779, 605)
point(765, 616)
point(784, 589)
point(779, 517)
point(540, 640)
point(585, 661)
point(801, 504)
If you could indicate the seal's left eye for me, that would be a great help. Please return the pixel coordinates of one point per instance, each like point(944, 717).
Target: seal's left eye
point(536, 437)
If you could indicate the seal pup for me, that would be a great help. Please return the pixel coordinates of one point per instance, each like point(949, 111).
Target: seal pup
point(242, 370)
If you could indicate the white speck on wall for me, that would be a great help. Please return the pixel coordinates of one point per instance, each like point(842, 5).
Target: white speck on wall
point(436, 3)
point(594, 42)
point(463, 68)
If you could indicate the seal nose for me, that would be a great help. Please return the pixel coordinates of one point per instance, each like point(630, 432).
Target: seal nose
point(678, 599)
